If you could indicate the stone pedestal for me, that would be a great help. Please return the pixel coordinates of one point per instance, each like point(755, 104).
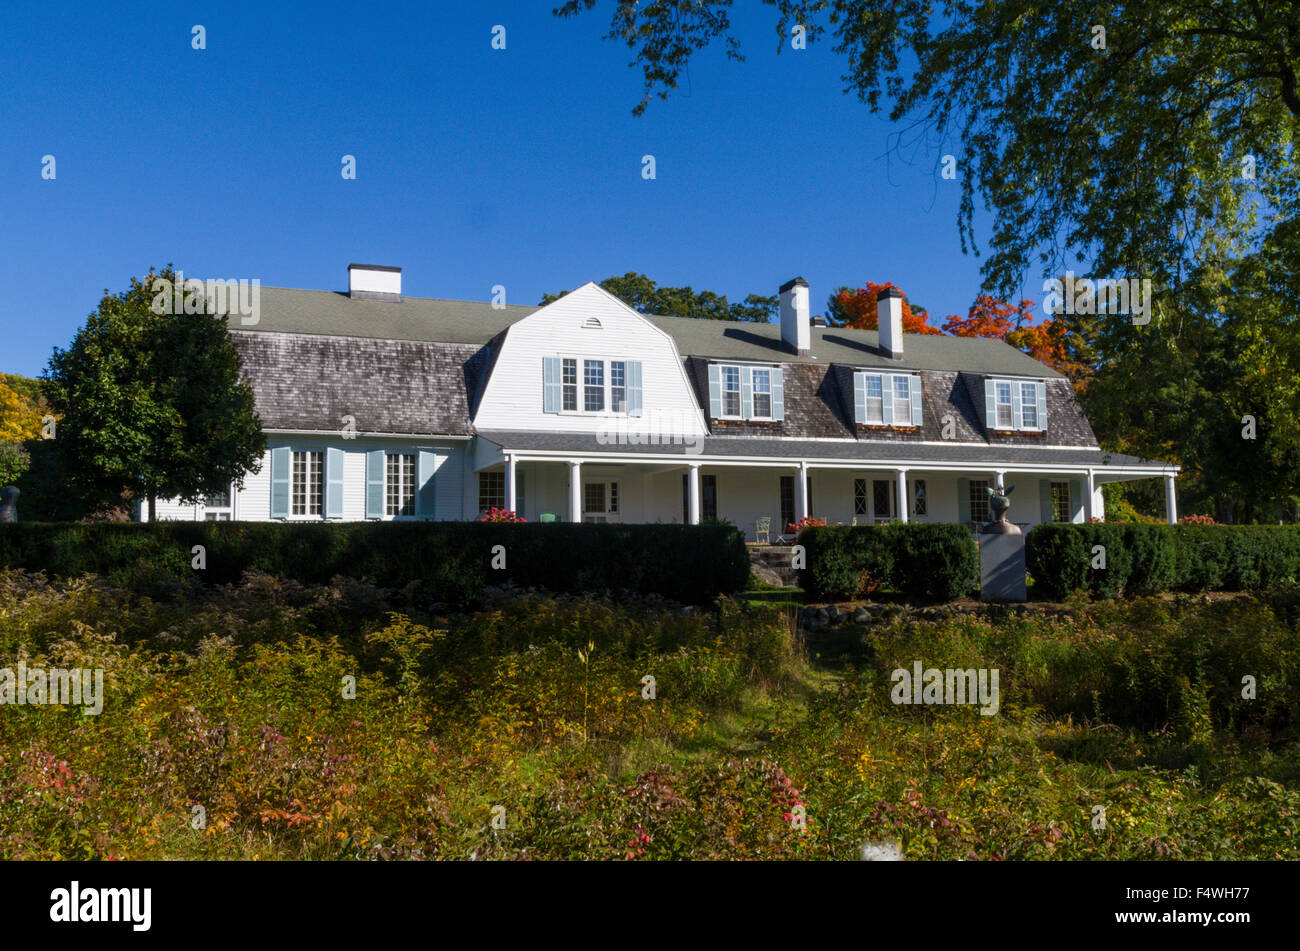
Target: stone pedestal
point(1002, 567)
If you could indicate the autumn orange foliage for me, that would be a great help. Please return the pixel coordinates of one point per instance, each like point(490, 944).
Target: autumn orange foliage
point(988, 317)
point(860, 308)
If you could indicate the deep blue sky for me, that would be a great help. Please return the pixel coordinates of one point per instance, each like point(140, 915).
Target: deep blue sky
point(475, 167)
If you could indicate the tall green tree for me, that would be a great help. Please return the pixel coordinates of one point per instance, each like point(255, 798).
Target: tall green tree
point(153, 403)
point(1122, 135)
point(646, 297)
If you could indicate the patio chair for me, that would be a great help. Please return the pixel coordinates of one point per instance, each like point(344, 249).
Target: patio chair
point(763, 531)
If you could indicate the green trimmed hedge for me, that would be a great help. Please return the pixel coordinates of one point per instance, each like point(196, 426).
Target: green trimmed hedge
point(448, 562)
point(1148, 559)
point(939, 562)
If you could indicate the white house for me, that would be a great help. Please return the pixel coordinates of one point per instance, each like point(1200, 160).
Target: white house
point(379, 406)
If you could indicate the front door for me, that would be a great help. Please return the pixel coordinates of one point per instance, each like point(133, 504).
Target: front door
point(600, 502)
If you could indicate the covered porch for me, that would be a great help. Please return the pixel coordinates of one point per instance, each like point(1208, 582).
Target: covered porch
point(763, 494)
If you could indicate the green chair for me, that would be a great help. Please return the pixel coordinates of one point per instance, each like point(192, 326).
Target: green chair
point(548, 517)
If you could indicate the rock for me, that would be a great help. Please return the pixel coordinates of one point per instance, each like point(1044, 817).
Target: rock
point(861, 616)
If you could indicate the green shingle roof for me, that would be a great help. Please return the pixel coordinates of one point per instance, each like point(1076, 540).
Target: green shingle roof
point(287, 310)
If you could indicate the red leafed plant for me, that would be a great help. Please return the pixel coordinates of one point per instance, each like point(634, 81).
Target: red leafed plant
point(1197, 520)
point(806, 522)
point(501, 515)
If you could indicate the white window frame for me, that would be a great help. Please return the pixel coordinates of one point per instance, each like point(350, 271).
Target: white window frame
point(221, 513)
point(578, 388)
point(293, 472)
point(878, 401)
point(906, 412)
point(1009, 404)
point(724, 390)
point(401, 483)
point(1028, 404)
point(979, 498)
point(755, 392)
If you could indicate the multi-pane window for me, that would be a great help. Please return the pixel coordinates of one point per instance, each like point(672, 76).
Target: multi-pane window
point(979, 500)
point(902, 401)
point(859, 496)
point(918, 497)
point(618, 386)
point(875, 399)
point(569, 384)
point(399, 486)
point(307, 483)
point(1061, 509)
point(762, 393)
point(731, 391)
point(1006, 419)
point(1028, 406)
point(218, 500)
point(491, 490)
point(599, 499)
point(593, 385)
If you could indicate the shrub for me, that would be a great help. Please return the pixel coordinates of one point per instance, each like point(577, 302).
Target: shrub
point(448, 562)
point(1148, 559)
point(932, 561)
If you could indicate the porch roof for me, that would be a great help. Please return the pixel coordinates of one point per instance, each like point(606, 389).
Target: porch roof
point(721, 449)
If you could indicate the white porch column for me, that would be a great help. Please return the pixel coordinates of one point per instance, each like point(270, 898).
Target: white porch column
point(693, 481)
point(1000, 478)
point(1088, 489)
point(1171, 503)
point(902, 495)
point(510, 483)
point(801, 493)
point(575, 492)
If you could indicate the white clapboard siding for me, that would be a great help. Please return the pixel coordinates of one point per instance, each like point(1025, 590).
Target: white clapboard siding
point(512, 398)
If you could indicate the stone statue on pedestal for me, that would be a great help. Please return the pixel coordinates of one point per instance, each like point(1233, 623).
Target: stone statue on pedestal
point(998, 505)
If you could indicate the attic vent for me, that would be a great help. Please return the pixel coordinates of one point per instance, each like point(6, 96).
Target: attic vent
point(591, 323)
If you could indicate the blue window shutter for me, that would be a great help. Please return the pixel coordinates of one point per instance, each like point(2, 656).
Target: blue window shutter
point(375, 464)
point(1042, 405)
point(1044, 500)
point(280, 462)
point(778, 394)
point(915, 391)
point(426, 483)
point(551, 385)
point(1017, 418)
point(715, 391)
point(1076, 500)
point(746, 393)
point(859, 397)
point(887, 397)
point(634, 387)
point(333, 483)
point(990, 405)
point(963, 501)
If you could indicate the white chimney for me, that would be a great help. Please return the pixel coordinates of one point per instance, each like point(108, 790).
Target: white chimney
point(796, 326)
point(889, 313)
point(374, 282)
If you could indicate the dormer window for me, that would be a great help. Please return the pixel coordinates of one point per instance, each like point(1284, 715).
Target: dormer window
point(886, 399)
point(1015, 405)
point(744, 392)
